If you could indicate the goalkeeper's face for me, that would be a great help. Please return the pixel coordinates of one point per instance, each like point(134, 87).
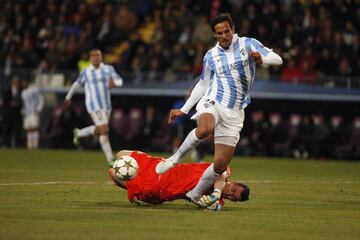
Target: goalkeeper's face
point(236, 191)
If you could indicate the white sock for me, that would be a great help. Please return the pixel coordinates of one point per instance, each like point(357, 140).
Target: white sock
point(35, 139)
point(105, 145)
point(28, 140)
point(189, 143)
point(206, 181)
point(87, 131)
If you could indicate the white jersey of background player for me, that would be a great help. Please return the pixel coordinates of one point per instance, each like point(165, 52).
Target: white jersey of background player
point(97, 79)
point(33, 104)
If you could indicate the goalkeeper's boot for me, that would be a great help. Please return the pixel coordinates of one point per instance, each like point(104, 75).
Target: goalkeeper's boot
point(76, 137)
point(193, 200)
point(164, 166)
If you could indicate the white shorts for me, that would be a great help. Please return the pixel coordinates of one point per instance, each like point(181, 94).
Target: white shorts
point(228, 122)
point(100, 117)
point(31, 121)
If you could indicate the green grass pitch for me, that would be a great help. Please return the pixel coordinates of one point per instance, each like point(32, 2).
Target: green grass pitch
point(68, 195)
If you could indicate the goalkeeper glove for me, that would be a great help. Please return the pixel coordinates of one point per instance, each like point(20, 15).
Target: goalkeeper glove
point(216, 206)
point(207, 200)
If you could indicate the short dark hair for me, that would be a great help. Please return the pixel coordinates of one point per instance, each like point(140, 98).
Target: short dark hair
point(223, 17)
point(94, 50)
point(244, 196)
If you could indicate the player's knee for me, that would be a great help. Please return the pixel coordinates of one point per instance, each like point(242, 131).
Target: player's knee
point(203, 131)
point(104, 130)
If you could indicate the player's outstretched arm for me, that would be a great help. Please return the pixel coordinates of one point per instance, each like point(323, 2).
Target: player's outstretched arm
point(117, 182)
point(122, 153)
point(197, 92)
point(263, 55)
point(116, 80)
point(174, 113)
point(67, 101)
point(40, 104)
point(115, 83)
point(272, 59)
point(199, 89)
point(208, 200)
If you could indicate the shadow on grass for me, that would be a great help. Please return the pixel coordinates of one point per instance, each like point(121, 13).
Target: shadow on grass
point(167, 206)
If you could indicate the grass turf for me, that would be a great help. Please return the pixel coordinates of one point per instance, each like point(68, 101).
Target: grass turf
point(67, 195)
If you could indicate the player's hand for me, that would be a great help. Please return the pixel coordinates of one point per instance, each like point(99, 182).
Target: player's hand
point(67, 104)
point(111, 83)
point(216, 206)
point(256, 57)
point(207, 200)
point(174, 113)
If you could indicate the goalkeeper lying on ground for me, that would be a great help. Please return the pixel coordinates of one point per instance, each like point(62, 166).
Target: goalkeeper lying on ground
point(149, 187)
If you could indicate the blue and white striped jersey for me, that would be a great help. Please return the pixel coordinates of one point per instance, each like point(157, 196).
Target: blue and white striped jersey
point(96, 84)
point(33, 101)
point(231, 72)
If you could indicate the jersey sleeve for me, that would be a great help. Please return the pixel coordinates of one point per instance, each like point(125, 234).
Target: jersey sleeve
point(200, 87)
point(115, 77)
point(144, 159)
point(267, 55)
point(82, 78)
point(257, 46)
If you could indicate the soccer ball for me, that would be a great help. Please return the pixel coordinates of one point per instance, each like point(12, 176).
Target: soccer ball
point(125, 168)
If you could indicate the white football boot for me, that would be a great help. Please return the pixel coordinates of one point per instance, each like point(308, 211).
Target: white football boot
point(164, 166)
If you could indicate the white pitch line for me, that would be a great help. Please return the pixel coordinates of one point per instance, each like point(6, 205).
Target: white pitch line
point(303, 181)
point(46, 183)
point(246, 181)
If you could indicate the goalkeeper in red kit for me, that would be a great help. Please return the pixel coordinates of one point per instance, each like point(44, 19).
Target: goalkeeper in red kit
point(149, 187)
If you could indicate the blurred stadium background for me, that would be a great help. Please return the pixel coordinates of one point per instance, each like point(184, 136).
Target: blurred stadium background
point(306, 108)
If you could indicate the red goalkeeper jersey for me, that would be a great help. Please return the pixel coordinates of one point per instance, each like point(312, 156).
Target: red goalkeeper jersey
point(149, 187)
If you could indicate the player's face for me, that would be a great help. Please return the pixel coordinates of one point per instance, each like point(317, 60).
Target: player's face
point(224, 34)
point(232, 191)
point(95, 58)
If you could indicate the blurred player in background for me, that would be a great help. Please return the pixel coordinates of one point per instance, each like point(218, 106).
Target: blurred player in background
point(33, 103)
point(224, 90)
point(97, 79)
point(149, 187)
point(11, 113)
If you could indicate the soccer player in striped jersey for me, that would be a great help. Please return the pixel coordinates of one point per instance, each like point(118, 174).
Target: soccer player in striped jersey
point(33, 103)
point(97, 79)
point(222, 93)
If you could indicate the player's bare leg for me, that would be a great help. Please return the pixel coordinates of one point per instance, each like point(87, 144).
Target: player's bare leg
point(83, 132)
point(32, 138)
point(223, 155)
point(28, 139)
point(205, 128)
point(35, 138)
point(103, 131)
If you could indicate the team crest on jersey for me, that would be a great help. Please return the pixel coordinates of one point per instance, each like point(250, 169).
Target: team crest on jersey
point(208, 103)
point(242, 51)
